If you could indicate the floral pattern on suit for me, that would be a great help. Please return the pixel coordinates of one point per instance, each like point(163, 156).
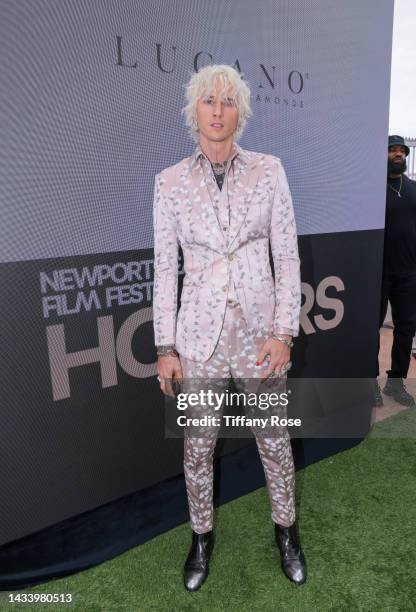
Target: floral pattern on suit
point(261, 216)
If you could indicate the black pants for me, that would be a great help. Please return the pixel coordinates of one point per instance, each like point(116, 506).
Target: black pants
point(400, 291)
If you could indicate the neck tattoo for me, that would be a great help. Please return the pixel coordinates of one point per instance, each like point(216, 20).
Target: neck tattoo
point(218, 167)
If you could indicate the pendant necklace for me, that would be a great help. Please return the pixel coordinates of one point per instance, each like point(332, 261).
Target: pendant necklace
point(397, 190)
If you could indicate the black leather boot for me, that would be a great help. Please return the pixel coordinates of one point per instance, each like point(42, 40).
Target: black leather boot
point(395, 388)
point(197, 563)
point(293, 560)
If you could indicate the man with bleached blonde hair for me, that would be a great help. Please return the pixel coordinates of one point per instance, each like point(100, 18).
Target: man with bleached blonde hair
point(225, 205)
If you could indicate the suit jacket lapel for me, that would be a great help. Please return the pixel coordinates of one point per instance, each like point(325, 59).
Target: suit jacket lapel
point(240, 193)
point(205, 209)
point(246, 175)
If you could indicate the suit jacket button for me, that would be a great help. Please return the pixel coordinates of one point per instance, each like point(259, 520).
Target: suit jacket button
point(230, 256)
point(224, 288)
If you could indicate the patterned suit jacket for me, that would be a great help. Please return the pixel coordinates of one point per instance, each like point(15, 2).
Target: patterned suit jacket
point(261, 212)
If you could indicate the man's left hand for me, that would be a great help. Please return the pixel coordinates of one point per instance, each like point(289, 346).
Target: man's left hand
point(279, 356)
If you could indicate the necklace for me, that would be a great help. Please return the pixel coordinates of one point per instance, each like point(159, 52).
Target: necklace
point(399, 189)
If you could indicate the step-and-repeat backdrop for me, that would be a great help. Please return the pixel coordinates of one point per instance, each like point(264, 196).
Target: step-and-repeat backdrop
point(91, 98)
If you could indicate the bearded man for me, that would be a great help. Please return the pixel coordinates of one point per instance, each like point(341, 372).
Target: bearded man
point(399, 269)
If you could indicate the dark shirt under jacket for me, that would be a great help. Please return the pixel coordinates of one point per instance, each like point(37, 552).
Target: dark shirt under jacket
point(219, 178)
point(400, 229)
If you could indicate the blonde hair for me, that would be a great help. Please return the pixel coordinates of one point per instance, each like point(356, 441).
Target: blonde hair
point(203, 82)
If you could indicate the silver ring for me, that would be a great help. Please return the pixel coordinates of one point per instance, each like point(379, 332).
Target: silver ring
point(158, 378)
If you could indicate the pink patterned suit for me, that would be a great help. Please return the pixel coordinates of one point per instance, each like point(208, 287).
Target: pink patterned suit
point(230, 304)
point(260, 210)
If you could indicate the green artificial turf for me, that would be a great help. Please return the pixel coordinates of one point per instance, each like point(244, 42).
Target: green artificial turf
point(356, 513)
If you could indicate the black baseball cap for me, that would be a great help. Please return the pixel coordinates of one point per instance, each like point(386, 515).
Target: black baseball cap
point(398, 140)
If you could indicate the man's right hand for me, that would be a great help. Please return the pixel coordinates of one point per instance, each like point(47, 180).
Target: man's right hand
point(168, 368)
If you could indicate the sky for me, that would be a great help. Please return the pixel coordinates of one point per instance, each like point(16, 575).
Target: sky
point(403, 70)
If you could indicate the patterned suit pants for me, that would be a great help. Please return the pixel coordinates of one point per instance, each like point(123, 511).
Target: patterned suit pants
point(235, 355)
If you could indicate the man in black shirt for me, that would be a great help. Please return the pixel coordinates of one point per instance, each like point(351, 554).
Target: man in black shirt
point(399, 268)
